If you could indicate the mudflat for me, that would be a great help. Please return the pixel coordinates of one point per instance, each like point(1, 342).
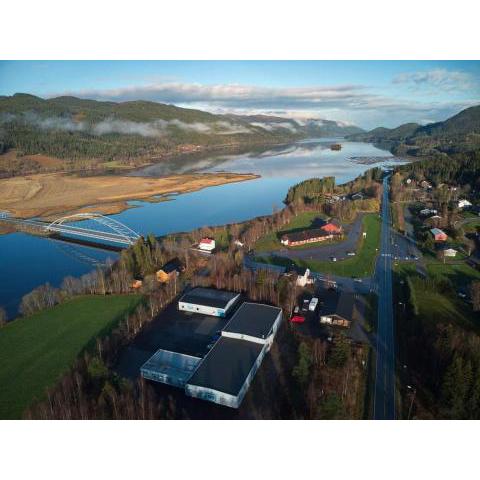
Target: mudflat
point(47, 195)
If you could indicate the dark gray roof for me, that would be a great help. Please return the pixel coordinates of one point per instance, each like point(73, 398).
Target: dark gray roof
point(172, 265)
point(208, 297)
point(253, 319)
point(227, 365)
point(339, 304)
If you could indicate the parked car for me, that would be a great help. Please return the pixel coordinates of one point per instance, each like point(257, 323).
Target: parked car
point(297, 319)
point(333, 259)
point(358, 280)
point(305, 305)
point(351, 254)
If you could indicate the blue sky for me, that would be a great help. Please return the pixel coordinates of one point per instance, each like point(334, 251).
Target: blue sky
point(366, 93)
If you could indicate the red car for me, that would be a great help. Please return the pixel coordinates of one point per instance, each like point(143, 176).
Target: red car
point(297, 319)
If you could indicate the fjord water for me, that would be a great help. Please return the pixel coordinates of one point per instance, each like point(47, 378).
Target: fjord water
point(27, 261)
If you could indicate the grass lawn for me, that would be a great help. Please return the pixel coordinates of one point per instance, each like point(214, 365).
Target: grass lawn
point(436, 307)
point(303, 221)
point(459, 274)
point(361, 265)
point(36, 351)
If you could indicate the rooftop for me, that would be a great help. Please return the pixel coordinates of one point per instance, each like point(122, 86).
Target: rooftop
point(339, 304)
point(437, 231)
point(253, 319)
point(227, 365)
point(209, 297)
point(172, 265)
point(305, 235)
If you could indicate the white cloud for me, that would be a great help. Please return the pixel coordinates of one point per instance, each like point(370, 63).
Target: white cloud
point(352, 104)
point(446, 80)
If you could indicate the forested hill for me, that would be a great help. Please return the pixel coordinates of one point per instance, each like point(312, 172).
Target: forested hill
point(74, 129)
point(458, 134)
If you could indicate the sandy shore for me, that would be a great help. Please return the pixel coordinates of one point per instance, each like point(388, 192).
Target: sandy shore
point(49, 195)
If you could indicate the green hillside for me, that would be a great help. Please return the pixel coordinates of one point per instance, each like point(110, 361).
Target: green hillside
point(458, 134)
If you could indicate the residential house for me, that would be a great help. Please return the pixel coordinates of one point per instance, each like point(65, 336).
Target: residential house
point(338, 309)
point(169, 271)
point(207, 244)
point(439, 235)
point(304, 278)
point(464, 203)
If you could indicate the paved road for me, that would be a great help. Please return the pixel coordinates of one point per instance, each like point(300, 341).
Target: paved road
point(326, 251)
point(384, 395)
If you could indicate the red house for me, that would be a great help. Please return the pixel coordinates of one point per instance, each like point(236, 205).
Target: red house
point(438, 235)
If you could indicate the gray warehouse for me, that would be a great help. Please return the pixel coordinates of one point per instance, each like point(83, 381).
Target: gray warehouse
point(208, 301)
point(224, 375)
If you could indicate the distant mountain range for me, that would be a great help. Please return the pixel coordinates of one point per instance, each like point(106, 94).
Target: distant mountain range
point(459, 133)
point(74, 128)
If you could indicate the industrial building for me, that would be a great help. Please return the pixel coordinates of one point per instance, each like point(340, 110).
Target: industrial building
point(208, 301)
point(254, 322)
point(225, 373)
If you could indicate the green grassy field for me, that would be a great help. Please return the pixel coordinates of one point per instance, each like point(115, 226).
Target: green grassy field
point(459, 274)
point(361, 265)
point(35, 351)
point(271, 241)
point(436, 307)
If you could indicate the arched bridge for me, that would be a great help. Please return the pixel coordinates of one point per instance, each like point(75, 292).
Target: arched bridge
point(117, 231)
point(101, 228)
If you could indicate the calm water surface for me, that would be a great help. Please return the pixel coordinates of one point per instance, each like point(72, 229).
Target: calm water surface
point(27, 261)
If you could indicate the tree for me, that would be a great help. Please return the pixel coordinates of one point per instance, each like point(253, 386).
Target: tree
point(3, 317)
point(475, 293)
point(340, 353)
point(454, 388)
point(301, 371)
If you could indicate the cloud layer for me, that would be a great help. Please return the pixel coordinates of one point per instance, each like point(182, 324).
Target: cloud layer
point(156, 128)
point(350, 103)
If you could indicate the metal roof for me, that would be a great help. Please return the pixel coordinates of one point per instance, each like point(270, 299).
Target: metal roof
point(227, 365)
point(209, 297)
point(253, 319)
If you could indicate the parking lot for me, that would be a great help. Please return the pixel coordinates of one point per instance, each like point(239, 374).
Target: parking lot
point(182, 332)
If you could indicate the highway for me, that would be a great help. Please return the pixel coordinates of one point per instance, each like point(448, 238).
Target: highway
point(384, 394)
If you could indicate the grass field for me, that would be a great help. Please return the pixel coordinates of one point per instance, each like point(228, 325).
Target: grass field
point(436, 307)
point(35, 351)
point(459, 274)
point(362, 265)
point(271, 241)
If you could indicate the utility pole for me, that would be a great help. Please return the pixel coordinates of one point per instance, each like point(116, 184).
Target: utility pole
point(413, 399)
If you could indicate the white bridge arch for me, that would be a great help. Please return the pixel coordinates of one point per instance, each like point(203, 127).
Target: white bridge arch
point(119, 233)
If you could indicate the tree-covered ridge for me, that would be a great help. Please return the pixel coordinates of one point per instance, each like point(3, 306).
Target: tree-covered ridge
point(75, 129)
point(460, 133)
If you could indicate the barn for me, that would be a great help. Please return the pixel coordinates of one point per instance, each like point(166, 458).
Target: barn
point(208, 301)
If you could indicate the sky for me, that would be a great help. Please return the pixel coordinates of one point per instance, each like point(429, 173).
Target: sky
point(364, 93)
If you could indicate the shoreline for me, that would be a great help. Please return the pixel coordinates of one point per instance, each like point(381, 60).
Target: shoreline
point(50, 195)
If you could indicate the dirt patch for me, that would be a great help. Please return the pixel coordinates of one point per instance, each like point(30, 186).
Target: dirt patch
point(43, 195)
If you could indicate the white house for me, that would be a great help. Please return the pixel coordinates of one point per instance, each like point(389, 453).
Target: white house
point(304, 279)
point(464, 203)
point(207, 244)
point(449, 252)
